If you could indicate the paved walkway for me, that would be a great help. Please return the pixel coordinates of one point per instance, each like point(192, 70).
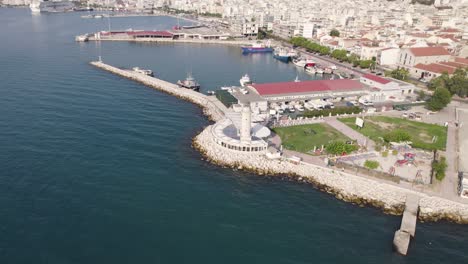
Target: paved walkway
point(351, 133)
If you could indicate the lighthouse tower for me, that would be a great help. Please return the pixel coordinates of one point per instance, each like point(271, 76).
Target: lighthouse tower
point(246, 119)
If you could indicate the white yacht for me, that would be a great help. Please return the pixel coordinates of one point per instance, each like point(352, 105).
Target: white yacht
point(245, 80)
point(311, 70)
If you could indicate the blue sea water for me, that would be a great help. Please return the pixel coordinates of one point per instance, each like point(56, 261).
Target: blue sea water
point(99, 169)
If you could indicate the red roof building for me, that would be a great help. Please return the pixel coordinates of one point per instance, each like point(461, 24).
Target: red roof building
point(429, 51)
point(376, 78)
point(435, 68)
point(307, 87)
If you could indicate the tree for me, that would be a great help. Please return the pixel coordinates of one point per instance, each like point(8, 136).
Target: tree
point(365, 64)
point(397, 135)
point(340, 54)
point(440, 99)
point(456, 84)
point(371, 164)
point(439, 167)
point(340, 147)
point(334, 33)
point(399, 74)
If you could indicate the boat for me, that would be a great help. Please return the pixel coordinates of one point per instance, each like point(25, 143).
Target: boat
point(319, 71)
point(281, 54)
point(302, 63)
point(211, 92)
point(245, 80)
point(328, 71)
point(311, 70)
point(257, 48)
point(143, 71)
point(38, 6)
point(82, 38)
point(189, 83)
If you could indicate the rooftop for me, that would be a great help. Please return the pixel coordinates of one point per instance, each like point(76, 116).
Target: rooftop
point(436, 68)
point(266, 89)
point(376, 78)
point(429, 51)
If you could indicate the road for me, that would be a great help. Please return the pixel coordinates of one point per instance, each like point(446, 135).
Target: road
point(351, 133)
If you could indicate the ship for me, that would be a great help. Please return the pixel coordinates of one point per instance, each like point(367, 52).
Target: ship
point(257, 48)
point(303, 63)
point(281, 54)
point(245, 80)
point(51, 6)
point(189, 83)
point(143, 71)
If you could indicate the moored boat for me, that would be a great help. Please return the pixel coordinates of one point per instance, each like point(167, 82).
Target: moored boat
point(245, 80)
point(257, 48)
point(189, 83)
point(143, 71)
point(281, 54)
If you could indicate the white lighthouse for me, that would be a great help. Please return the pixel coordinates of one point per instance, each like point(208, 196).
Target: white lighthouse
point(246, 119)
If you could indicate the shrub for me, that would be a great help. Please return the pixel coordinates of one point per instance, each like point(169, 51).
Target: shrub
point(439, 167)
point(371, 164)
point(397, 135)
point(385, 154)
point(395, 152)
point(340, 147)
point(334, 111)
point(378, 148)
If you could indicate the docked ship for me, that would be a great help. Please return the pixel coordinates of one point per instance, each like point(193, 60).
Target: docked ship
point(281, 54)
point(257, 48)
point(143, 71)
point(245, 80)
point(51, 6)
point(302, 63)
point(189, 83)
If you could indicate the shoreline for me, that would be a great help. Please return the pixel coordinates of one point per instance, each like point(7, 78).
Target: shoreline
point(346, 187)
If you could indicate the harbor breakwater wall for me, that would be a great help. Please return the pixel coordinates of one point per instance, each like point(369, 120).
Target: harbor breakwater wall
point(185, 41)
point(210, 109)
point(347, 187)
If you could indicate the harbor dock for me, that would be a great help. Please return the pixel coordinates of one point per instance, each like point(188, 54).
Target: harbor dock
point(212, 107)
point(407, 229)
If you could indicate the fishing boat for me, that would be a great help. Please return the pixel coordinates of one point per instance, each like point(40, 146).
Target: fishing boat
point(311, 70)
point(281, 54)
point(189, 83)
point(143, 71)
point(257, 48)
point(302, 63)
point(245, 80)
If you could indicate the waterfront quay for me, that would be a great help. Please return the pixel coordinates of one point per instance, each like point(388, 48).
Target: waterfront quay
point(222, 145)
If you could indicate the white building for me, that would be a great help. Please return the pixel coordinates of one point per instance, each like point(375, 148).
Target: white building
point(306, 30)
point(386, 89)
point(388, 56)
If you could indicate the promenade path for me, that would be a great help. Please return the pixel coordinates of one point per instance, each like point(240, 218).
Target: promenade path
point(351, 133)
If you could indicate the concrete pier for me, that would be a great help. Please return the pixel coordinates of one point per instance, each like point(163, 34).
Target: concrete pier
point(212, 107)
point(407, 229)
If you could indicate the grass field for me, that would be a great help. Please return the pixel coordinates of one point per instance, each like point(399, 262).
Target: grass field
point(421, 133)
point(304, 138)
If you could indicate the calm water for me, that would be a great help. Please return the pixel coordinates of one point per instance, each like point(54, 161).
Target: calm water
point(98, 169)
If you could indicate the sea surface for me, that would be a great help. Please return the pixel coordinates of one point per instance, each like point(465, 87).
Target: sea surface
point(99, 169)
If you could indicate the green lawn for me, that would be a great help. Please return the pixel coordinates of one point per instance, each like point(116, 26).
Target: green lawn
point(421, 133)
point(303, 138)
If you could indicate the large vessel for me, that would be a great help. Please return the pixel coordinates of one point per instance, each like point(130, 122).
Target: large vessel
point(257, 48)
point(245, 80)
point(189, 83)
point(281, 54)
point(51, 6)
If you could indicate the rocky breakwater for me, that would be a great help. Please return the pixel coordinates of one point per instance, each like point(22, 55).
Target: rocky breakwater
point(210, 109)
point(347, 187)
